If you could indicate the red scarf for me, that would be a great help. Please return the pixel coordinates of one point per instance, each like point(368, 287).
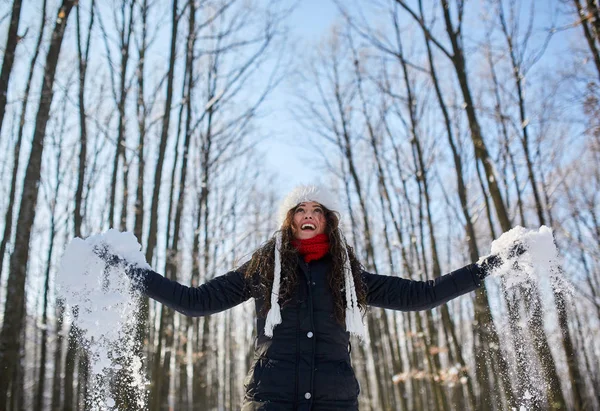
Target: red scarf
point(312, 248)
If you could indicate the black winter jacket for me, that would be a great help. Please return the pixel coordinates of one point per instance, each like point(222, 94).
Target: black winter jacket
point(306, 365)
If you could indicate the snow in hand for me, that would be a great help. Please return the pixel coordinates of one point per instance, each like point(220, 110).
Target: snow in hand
point(539, 263)
point(102, 305)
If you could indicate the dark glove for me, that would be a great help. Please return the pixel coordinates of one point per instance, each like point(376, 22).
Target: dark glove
point(112, 260)
point(108, 257)
point(493, 261)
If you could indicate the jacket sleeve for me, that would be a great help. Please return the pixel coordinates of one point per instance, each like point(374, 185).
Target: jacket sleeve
point(218, 294)
point(407, 295)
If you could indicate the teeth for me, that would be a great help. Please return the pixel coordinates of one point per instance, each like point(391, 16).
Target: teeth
point(305, 226)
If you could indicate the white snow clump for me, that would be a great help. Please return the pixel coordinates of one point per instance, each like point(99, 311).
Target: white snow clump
point(539, 263)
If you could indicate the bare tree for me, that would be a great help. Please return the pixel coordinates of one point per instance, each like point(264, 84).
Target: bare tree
point(7, 235)
point(14, 310)
point(12, 40)
point(589, 19)
point(83, 51)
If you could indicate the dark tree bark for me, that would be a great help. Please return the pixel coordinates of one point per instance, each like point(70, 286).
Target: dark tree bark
point(17, 397)
point(70, 362)
point(588, 31)
point(83, 54)
point(142, 114)
point(13, 182)
point(57, 378)
point(12, 40)
point(14, 311)
point(142, 334)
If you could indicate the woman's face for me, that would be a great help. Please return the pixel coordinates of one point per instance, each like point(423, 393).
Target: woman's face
point(309, 220)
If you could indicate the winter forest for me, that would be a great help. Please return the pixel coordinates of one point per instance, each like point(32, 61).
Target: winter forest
point(440, 124)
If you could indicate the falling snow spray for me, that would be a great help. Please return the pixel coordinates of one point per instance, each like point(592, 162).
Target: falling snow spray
point(522, 279)
point(102, 306)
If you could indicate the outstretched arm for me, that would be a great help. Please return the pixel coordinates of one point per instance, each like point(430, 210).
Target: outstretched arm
point(407, 295)
point(218, 294)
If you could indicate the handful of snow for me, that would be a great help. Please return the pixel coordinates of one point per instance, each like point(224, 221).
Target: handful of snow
point(539, 262)
point(100, 301)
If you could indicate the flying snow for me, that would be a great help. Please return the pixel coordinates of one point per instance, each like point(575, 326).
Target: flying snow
point(524, 275)
point(102, 304)
point(539, 263)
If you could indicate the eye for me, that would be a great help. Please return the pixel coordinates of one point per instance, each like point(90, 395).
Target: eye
point(299, 210)
point(319, 210)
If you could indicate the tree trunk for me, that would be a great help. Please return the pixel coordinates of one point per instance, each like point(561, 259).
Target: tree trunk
point(17, 397)
point(13, 182)
point(70, 361)
point(39, 398)
point(14, 311)
point(57, 378)
point(142, 334)
point(125, 35)
point(556, 400)
point(575, 376)
point(481, 151)
point(138, 224)
point(163, 138)
point(588, 33)
point(9, 55)
point(83, 54)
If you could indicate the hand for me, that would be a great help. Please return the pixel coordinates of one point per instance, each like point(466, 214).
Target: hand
point(516, 250)
point(110, 258)
point(493, 261)
point(131, 270)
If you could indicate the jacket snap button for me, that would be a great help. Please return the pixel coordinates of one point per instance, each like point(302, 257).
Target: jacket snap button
point(309, 334)
point(307, 395)
point(313, 283)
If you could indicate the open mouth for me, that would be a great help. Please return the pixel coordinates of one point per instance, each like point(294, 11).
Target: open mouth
point(308, 227)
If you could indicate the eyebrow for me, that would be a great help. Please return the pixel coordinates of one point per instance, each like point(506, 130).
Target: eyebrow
point(314, 206)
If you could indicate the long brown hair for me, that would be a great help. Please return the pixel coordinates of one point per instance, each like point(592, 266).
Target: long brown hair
point(262, 265)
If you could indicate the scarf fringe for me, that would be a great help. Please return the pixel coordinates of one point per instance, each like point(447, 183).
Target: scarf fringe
point(274, 314)
point(354, 323)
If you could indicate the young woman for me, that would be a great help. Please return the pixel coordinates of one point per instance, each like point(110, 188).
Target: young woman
point(310, 293)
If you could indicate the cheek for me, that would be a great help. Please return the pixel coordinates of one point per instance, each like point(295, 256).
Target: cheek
point(322, 223)
point(295, 223)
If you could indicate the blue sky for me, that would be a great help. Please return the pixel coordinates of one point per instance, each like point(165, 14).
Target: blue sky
point(285, 154)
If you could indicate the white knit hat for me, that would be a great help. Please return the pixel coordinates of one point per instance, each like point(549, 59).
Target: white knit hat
point(302, 194)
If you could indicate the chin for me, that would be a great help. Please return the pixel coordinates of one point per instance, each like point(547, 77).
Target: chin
point(306, 235)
